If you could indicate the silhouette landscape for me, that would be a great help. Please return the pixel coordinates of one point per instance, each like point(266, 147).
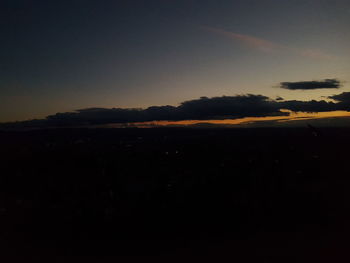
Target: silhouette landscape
point(174, 131)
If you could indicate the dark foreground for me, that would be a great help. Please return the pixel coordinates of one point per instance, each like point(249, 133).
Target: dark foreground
point(175, 195)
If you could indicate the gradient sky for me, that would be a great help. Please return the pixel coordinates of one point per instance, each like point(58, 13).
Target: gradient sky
point(58, 56)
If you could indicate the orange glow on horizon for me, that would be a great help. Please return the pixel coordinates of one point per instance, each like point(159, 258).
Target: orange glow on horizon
point(246, 120)
point(292, 116)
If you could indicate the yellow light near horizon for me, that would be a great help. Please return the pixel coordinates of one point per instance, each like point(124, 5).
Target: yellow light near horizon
point(292, 116)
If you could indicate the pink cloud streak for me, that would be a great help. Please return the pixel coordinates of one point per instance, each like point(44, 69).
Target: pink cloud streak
point(269, 46)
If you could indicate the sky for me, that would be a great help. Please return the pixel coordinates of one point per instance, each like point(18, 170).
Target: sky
point(60, 56)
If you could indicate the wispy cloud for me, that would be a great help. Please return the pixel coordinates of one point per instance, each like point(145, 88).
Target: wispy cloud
point(269, 46)
point(253, 42)
point(315, 53)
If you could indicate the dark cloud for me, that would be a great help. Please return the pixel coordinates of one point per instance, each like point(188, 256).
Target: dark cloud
point(204, 108)
point(309, 106)
point(230, 107)
point(310, 85)
point(97, 116)
point(343, 100)
point(342, 97)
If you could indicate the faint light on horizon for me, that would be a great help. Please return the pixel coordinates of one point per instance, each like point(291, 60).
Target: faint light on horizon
point(238, 122)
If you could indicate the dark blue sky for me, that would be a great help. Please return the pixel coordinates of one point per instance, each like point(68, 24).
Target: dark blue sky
point(66, 55)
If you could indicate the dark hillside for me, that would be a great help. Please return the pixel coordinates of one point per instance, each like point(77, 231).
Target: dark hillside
point(273, 195)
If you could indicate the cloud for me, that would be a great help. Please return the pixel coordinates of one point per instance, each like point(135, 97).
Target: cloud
point(230, 107)
point(309, 106)
point(342, 97)
point(204, 108)
point(315, 53)
point(343, 100)
point(310, 85)
point(270, 46)
point(254, 42)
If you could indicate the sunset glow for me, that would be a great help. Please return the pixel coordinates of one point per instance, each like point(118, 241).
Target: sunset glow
point(294, 116)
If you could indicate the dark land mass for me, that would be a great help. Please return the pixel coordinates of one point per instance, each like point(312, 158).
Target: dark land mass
point(172, 195)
